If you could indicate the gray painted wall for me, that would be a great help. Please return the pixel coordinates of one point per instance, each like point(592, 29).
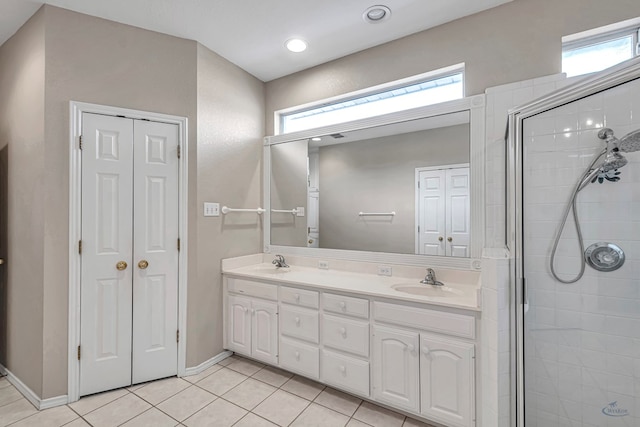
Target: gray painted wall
point(513, 42)
point(378, 175)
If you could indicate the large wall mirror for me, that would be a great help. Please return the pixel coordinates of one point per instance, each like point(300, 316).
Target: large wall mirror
point(405, 187)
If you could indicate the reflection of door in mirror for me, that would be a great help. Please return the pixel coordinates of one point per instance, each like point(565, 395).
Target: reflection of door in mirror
point(313, 199)
point(442, 205)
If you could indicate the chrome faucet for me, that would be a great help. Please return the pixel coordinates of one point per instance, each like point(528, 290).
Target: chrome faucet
point(279, 262)
point(430, 278)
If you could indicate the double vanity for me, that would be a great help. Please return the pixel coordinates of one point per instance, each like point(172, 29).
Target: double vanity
point(386, 338)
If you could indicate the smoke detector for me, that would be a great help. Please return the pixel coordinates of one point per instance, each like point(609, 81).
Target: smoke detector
point(376, 14)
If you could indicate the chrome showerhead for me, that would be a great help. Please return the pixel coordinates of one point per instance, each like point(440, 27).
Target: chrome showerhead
point(630, 142)
point(613, 160)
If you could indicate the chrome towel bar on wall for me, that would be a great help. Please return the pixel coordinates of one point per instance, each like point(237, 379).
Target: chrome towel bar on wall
point(393, 213)
point(226, 210)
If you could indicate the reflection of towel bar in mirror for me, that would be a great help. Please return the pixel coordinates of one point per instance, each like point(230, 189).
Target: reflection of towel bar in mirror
point(226, 210)
point(291, 211)
point(393, 213)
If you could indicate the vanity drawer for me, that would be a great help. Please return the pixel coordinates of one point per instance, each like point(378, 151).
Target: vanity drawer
point(425, 319)
point(299, 357)
point(346, 334)
point(345, 372)
point(254, 289)
point(351, 306)
point(299, 297)
point(300, 323)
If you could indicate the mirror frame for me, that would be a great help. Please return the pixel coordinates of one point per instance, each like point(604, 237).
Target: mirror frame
point(475, 105)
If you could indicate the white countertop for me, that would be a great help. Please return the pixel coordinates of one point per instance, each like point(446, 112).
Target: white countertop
point(454, 295)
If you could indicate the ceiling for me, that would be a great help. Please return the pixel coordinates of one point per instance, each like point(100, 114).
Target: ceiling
point(252, 33)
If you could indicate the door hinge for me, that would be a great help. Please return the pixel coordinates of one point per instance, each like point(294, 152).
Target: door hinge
point(80, 247)
point(179, 150)
point(178, 335)
point(525, 297)
point(78, 352)
point(418, 229)
point(80, 142)
point(418, 184)
point(178, 244)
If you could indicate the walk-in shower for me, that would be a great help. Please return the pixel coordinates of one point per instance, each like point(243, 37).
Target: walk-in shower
point(575, 223)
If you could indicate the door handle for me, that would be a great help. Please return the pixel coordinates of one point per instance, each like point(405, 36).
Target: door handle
point(440, 238)
point(121, 265)
point(143, 264)
point(449, 239)
point(1, 261)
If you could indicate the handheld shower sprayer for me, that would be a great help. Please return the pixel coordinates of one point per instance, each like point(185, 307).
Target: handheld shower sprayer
point(608, 161)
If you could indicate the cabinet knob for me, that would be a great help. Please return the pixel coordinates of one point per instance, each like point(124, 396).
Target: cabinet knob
point(297, 355)
point(343, 369)
point(449, 239)
point(425, 350)
point(253, 311)
point(343, 305)
point(297, 297)
point(297, 321)
point(411, 348)
point(343, 332)
point(246, 310)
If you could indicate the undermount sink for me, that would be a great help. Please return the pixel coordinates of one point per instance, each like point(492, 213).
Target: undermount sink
point(271, 270)
point(428, 290)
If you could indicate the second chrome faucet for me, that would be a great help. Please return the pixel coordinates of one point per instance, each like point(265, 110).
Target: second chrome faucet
point(430, 278)
point(280, 262)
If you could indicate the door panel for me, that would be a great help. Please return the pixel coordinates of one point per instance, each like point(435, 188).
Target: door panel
point(155, 231)
point(432, 212)
point(458, 212)
point(396, 367)
point(106, 240)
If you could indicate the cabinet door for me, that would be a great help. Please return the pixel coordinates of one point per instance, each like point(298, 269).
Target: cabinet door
point(264, 331)
point(239, 333)
point(447, 379)
point(395, 368)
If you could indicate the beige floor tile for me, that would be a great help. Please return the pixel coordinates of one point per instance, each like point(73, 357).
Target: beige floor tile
point(152, 417)
point(222, 381)
point(9, 394)
point(272, 376)
point(16, 411)
point(338, 401)
point(90, 403)
point(303, 387)
point(252, 420)
point(228, 360)
point(78, 422)
point(246, 366)
point(281, 407)
point(319, 416)
point(410, 422)
point(249, 393)
point(355, 423)
point(4, 382)
point(186, 403)
point(217, 414)
point(158, 391)
point(204, 374)
point(117, 412)
point(54, 417)
point(378, 416)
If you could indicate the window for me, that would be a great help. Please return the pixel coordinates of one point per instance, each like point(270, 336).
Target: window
point(426, 89)
point(601, 48)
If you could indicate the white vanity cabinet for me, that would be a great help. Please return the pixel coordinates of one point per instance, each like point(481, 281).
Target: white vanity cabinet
point(252, 323)
point(412, 356)
point(396, 367)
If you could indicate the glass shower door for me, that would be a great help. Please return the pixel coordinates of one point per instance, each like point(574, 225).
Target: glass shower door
point(582, 339)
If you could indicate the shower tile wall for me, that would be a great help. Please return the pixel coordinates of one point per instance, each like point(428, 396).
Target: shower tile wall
point(582, 340)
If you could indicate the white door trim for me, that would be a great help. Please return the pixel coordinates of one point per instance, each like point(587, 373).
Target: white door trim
point(76, 109)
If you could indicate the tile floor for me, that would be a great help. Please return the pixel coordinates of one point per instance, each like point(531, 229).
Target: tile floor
point(236, 392)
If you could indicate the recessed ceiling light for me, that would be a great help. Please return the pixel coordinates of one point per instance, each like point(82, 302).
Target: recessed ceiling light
point(296, 45)
point(376, 14)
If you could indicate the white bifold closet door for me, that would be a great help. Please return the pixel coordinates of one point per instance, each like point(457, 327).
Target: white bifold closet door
point(129, 293)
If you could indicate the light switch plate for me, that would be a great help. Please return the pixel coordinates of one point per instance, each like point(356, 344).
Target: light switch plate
point(324, 265)
point(384, 270)
point(211, 209)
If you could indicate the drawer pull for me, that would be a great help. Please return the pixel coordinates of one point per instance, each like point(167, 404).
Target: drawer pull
point(411, 348)
point(343, 332)
point(297, 355)
point(343, 369)
point(297, 321)
point(343, 305)
point(297, 297)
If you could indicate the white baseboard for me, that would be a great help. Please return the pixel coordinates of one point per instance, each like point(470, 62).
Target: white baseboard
point(30, 395)
point(195, 370)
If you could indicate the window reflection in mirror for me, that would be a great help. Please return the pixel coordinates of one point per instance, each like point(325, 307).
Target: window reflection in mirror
point(373, 189)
